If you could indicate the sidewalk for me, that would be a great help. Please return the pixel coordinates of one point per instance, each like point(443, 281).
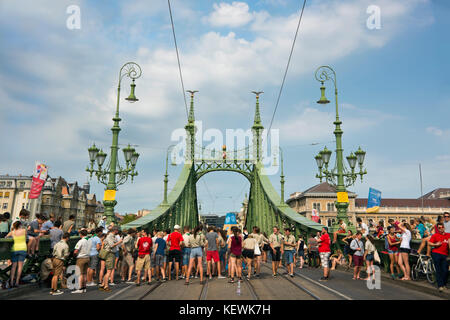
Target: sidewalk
point(420, 285)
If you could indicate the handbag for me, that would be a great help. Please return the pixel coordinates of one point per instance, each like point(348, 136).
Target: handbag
point(102, 254)
point(376, 257)
point(257, 250)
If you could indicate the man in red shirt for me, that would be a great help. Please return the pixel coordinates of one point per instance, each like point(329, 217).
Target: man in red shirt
point(440, 244)
point(144, 246)
point(324, 252)
point(174, 241)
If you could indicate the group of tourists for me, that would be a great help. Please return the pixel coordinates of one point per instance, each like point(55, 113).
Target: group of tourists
point(138, 257)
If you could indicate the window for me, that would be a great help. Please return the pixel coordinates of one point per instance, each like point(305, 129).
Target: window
point(5, 206)
point(6, 195)
point(330, 206)
point(22, 184)
point(9, 183)
point(1, 194)
point(316, 206)
point(2, 183)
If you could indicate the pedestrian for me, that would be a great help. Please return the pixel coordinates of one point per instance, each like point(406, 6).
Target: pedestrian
point(447, 222)
point(116, 251)
point(258, 250)
point(313, 251)
point(212, 252)
point(301, 250)
point(4, 226)
point(69, 225)
point(60, 254)
point(289, 244)
point(266, 247)
point(56, 234)
point(96, 244)
point(348, 252)
point(358, 247)
point(393, 244)
point(325, 252)
point(102, 254)
point(186, 252)
point(222, 249)
point(159, 251)
point(174, 241)
point(91, 226)
point(128, 248)
point(109, 243)
point(361, 226)
point(235, 244)
point(405, 250)
point(369, 252)
point(82, 251)
point(102, 223)
point(18, 252)
point(440, 244)
point(275, 242)
point(197, 241)
point(144, 246)
point(248, 253)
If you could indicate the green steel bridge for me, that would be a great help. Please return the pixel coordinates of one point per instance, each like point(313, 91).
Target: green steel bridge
point(265, 207)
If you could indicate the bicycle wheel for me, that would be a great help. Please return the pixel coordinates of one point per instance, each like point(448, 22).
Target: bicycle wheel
point(431, 272)
point(414, 272)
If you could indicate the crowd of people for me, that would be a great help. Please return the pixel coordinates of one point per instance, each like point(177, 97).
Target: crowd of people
point(138, 257)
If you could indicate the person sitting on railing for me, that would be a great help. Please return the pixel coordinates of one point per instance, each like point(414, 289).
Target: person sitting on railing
point(379, 230)
point(337, 259)
point(35, 232)
point(425, 240)
point(18, 252)
point(342, 227)
point(4, 227)
point(348, 252)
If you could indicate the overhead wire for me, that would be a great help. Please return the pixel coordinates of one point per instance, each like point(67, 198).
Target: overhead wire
point(287, 67)
point(178, 59)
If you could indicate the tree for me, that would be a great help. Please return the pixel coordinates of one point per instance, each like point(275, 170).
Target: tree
point(128, 218)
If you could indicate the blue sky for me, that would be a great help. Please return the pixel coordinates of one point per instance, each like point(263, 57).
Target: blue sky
point(58, 87)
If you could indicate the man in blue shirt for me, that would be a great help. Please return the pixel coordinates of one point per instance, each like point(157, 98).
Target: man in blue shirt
point(422, 229)
point(48, 224)
point(96, 244)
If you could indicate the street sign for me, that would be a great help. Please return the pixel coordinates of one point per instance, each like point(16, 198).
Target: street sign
point(109, 195)
point(342, 197)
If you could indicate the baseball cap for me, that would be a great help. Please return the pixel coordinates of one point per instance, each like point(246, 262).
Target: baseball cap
point(177, 227)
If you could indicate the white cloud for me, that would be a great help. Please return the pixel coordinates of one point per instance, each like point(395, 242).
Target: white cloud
point(438, 132)
point(232, 15)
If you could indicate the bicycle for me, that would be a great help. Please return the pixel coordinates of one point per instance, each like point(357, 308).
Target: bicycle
point(424, 265)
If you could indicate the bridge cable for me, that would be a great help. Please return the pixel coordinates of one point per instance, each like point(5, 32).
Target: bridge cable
point(287, 67)
point(178, 59)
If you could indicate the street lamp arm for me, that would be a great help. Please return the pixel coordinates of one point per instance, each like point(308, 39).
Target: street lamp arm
point(325, 73)
point(131, 70)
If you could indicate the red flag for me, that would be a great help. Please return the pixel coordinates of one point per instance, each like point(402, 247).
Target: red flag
point(39, 177)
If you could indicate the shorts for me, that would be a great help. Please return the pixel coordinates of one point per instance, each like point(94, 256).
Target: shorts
point(212, 255)
point(128, 260)
point(236, 256)
point(174, 255)
point(405, 250)
point(266, 247)
point(357, 261)
point(83, 263)
point(143, 263)
point(347, 250)
point(392, 252)
point(58, 266)
point(289, 256)
point(196, 252)
point(159, 260)
point(301, 253)
point(109, 261)
point(249, 254)
point(18, 256)
point(117, 254)
point(277, 255)
point(186, 256)
point(93, 262)
point(369, 257)
point(314, 255)
point(325, 259)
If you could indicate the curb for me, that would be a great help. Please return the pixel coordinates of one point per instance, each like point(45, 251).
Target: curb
point(420, 286)
point(15, 293)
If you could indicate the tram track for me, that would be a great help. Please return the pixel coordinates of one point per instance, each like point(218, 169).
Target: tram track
point(150, 290)
point(311, 294)
point(204, 292)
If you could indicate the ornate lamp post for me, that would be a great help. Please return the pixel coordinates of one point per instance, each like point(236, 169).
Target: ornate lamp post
point(339, 176)
point(107, 175)
point(166, 180)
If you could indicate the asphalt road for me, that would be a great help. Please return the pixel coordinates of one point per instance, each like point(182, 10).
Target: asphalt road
point(304, 286)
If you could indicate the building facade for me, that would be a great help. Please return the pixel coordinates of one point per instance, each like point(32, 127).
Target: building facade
point(14, 193)
point(322, 198)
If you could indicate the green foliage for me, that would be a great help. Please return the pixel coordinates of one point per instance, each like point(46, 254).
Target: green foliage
point(128, 218)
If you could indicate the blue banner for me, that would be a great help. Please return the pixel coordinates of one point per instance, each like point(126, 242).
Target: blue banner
point(374, 199)
point(230, 218)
